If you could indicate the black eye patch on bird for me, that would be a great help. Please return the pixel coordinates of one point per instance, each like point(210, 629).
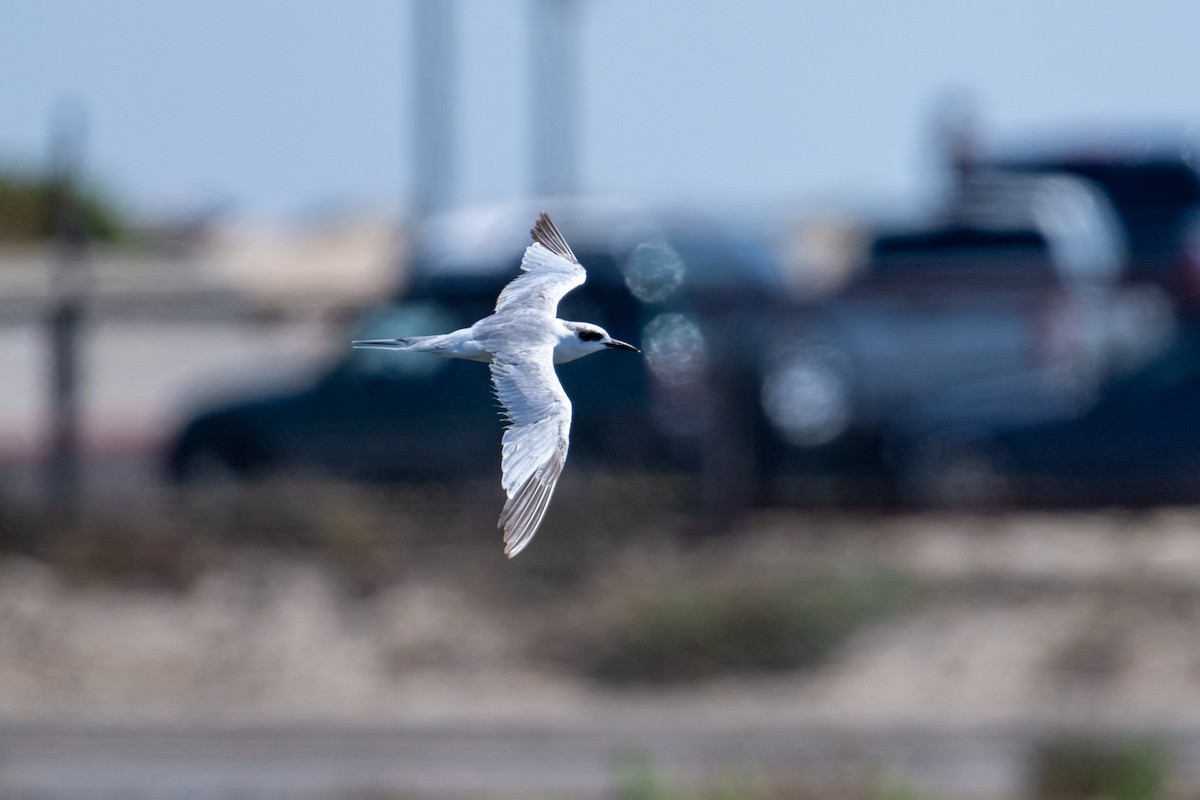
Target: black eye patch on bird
point(591, 336)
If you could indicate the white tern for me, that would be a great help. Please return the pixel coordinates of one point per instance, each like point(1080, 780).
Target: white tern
point(522, 340)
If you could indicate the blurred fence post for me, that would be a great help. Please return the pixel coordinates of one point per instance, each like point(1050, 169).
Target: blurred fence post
point(65, 314)
point(729, 467)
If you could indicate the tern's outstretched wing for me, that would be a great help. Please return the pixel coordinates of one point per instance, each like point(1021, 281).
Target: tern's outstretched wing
point(550, 270)
point(535, 442)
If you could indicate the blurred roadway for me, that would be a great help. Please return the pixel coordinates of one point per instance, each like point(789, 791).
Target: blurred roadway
point(584, 760)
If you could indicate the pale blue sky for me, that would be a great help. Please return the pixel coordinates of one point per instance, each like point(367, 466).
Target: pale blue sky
point(280, 106)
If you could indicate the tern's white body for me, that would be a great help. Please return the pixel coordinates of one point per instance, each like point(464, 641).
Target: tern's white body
point(522, 340)
point(476, 343)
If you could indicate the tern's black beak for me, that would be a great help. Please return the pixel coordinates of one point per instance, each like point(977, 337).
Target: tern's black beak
point(619, 345)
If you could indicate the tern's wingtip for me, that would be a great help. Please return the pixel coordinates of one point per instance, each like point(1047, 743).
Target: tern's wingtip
point(546, 233)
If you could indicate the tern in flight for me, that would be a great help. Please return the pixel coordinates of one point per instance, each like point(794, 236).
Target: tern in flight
point(522, 340)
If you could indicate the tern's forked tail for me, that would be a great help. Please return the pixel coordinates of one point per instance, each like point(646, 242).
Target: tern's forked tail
point(459, 344)
point(416, 343)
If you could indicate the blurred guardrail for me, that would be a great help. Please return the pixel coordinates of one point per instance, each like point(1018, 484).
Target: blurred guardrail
point(122, 286)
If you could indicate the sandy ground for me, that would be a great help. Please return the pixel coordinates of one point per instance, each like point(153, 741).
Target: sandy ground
point(1069, 619)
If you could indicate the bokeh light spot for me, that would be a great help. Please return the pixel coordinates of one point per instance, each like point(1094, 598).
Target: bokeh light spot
point(653, 272)
point(675, 348)
point(807, 398)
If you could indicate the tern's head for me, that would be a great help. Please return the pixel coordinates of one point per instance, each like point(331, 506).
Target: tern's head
point(586, 338)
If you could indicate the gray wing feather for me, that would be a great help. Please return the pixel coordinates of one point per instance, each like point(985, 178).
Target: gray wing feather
point(546, 233)
point(534, 448)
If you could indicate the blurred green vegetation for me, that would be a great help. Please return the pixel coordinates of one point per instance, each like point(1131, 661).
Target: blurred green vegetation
point(1087, 769)
point(368, 537)
point(701, 631)
point(27, 209)
point(1062, 769)
point(637, 779)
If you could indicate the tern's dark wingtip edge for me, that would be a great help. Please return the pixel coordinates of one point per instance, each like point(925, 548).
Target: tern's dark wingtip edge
point(546, 233)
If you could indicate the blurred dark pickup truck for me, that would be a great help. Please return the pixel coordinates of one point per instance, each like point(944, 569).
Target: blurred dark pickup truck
point(1007, 310)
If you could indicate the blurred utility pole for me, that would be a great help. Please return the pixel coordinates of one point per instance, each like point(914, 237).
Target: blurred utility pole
point(554, 84)
point(958, 137)
point(433, 106)
point(70, 283)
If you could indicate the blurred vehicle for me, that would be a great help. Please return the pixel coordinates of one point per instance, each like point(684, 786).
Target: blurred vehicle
point(1007, 311)
point(1138, 444)
point(409, 416)
point(1153, 185)
point(1010, 310)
